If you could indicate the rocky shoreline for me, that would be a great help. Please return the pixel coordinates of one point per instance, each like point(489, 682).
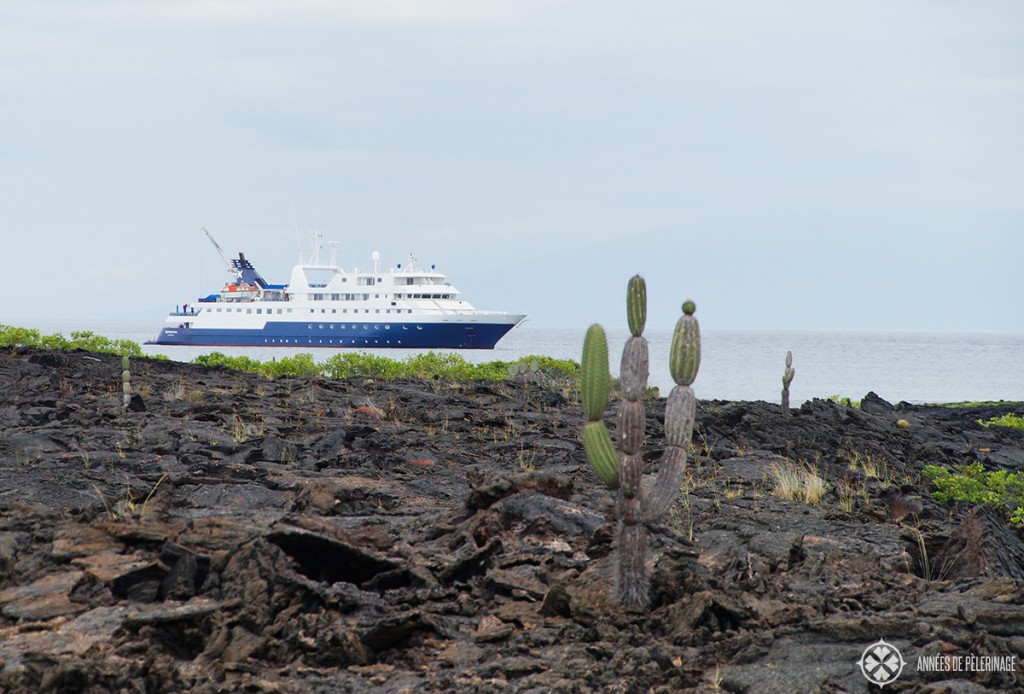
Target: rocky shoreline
point(233, 533)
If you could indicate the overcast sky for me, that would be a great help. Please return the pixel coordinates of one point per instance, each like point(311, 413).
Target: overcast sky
point(788, 164)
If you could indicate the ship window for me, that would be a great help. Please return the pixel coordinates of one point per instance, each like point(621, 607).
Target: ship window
point(248, 310)
point(279, 312)
point(377, 311)
point(334, 310)
point(259, 311)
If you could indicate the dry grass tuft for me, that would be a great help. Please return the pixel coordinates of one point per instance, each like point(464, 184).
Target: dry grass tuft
point(797, 482)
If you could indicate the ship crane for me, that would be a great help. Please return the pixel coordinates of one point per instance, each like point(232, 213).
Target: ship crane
point(231, 268)
point(241, 269)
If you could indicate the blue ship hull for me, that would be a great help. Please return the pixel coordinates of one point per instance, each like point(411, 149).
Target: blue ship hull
point(355, 335)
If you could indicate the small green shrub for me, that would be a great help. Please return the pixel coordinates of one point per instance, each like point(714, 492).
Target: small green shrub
point(974, 485)
point(1014, 421)
point(844, 401)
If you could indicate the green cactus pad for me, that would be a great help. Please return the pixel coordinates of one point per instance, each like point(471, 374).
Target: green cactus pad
point(636, 304)
point(684, 357)
point(597, 443)
point(596, 381)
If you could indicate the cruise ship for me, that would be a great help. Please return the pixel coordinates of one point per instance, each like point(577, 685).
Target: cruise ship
point(324, 305)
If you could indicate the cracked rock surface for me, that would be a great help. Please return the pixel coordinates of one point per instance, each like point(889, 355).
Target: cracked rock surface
point(232, 533)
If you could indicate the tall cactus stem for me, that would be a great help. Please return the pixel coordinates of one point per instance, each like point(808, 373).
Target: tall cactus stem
point(126, 385)
point(787, 378)
point(641, 500)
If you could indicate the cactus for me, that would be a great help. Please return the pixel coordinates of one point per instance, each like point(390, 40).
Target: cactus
point(641, 501)
point(126, 385)
point(787, 378)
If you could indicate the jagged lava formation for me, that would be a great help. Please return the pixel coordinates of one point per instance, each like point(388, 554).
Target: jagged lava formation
point(230, 533)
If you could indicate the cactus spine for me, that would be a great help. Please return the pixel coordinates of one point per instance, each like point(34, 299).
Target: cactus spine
point(787, 378)
point(126, 385)
point(640, 502)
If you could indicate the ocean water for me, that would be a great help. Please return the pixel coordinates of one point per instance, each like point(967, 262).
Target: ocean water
point(919, 367)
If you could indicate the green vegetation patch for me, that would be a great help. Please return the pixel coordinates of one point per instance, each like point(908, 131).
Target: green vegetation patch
point(80, 339)
point(973, 484)
point(1014, 421)
point(432, 365)
point(844, 401)
point(964, 404)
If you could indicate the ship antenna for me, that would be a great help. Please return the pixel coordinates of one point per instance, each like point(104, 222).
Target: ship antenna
point(314, 258)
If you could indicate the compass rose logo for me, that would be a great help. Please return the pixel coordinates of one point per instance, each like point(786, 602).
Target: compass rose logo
point(881, 663)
